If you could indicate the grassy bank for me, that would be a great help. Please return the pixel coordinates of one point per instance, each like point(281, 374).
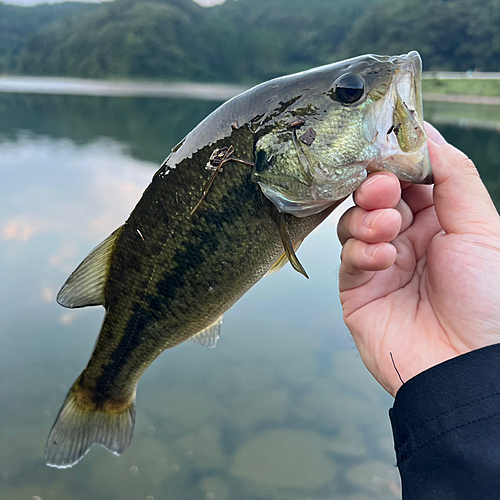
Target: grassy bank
point(486, 88)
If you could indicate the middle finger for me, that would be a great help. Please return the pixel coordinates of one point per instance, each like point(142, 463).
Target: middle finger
point(374, 226)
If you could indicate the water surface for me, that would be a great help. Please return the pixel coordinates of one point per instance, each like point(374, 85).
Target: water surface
point(282, 408)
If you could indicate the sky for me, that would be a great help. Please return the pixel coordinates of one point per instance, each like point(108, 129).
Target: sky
point(34, 2)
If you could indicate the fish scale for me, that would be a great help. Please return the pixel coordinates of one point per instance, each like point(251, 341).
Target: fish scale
point(232, 203)
point(171, 301)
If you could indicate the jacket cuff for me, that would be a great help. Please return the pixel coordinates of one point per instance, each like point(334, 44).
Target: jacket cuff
point(449, 396)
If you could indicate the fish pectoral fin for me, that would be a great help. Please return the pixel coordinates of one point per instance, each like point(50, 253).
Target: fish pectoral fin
point(280, 221)
point(210, 335)
point(85, 286)
point(283, 259)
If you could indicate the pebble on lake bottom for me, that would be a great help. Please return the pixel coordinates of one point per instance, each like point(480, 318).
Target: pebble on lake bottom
point(284, 458)
point(186, 407)
point(215, 488)
point(349, 442)
point(376, 477)
point(202, 448)
point(248, 409)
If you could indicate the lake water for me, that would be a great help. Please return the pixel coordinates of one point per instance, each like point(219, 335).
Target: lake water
point(282, 408)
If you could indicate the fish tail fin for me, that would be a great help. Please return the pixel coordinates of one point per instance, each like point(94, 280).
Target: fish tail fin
point(78, 426)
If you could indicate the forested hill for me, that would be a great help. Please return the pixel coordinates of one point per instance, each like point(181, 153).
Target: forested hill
point(242, 40)
point(450, 34)
point(236, 41)
point(19, 24)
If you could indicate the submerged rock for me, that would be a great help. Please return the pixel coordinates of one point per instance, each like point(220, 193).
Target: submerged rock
point(247, 410)
point(215, 488)
point(376, 477)
point(21, 446)
point(54, 491)
point(231, 380)
point(186, 407)
point(331, 407)
point(284, 458)
point(299, 374)
point(277, 345)
point(355, 496)
point(351, 375)
point(386, 447)
point(202, 449)
point(145, 467)
point(348, 442)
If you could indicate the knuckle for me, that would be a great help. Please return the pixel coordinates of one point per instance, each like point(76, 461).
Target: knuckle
point(467, 166)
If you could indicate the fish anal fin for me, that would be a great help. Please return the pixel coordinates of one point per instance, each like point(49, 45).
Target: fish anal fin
point(85, 286)
point(282, 260)
point(210, 335)
point(77, 428)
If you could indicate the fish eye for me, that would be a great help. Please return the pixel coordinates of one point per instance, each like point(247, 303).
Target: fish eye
point(349, 89)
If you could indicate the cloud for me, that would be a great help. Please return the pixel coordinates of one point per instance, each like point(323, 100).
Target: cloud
point(61, 199)
point(64, 256)
point(68, 318)
point(83, 192)
point(15, 230)
point(22, 227)
point(47, 295)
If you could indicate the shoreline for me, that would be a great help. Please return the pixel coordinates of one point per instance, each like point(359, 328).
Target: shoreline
point(187, 90)
point(119, 88)
point(461, 98)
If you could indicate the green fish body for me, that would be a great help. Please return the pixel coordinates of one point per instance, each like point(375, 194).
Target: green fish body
point(230, 204)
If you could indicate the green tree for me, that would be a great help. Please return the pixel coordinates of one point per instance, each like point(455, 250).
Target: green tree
point(17, 24)
point(449, 34)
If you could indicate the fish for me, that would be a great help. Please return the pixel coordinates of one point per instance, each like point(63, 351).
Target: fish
point(231, 204)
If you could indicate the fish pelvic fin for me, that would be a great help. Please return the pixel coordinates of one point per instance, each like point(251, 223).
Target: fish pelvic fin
point(209, 336)
point(280, 220)
point(282, 260)
point(85, 286)
point(78, 426)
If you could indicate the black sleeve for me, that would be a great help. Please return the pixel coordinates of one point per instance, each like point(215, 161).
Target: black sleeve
point(446, 426)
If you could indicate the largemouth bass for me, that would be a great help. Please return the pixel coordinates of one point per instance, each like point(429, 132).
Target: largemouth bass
point(231, 204)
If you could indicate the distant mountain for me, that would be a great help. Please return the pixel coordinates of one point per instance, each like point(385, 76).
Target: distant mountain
point(266, 38)
point(450, 34)
point(18, 24)
point(123, 38)
point(242, 40)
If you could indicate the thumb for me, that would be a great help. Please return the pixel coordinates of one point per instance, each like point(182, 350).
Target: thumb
point(463, 205)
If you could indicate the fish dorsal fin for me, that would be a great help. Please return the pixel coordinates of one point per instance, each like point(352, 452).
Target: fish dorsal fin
point(85, 286)
point(210, 335)
point(283, 259)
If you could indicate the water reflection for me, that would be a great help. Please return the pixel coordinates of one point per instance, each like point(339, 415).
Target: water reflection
point(149, 127)
point(281, 409)
point(475, 130)
point(483, 147)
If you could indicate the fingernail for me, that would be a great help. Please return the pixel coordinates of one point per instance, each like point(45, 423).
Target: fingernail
point(371, 250)
point(433, 134)
point(368, 220)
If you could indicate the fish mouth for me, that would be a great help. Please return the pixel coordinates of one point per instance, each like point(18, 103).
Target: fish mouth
point(395, 124)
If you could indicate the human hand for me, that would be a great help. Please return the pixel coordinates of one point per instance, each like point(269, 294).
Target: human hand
point(421, 281)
